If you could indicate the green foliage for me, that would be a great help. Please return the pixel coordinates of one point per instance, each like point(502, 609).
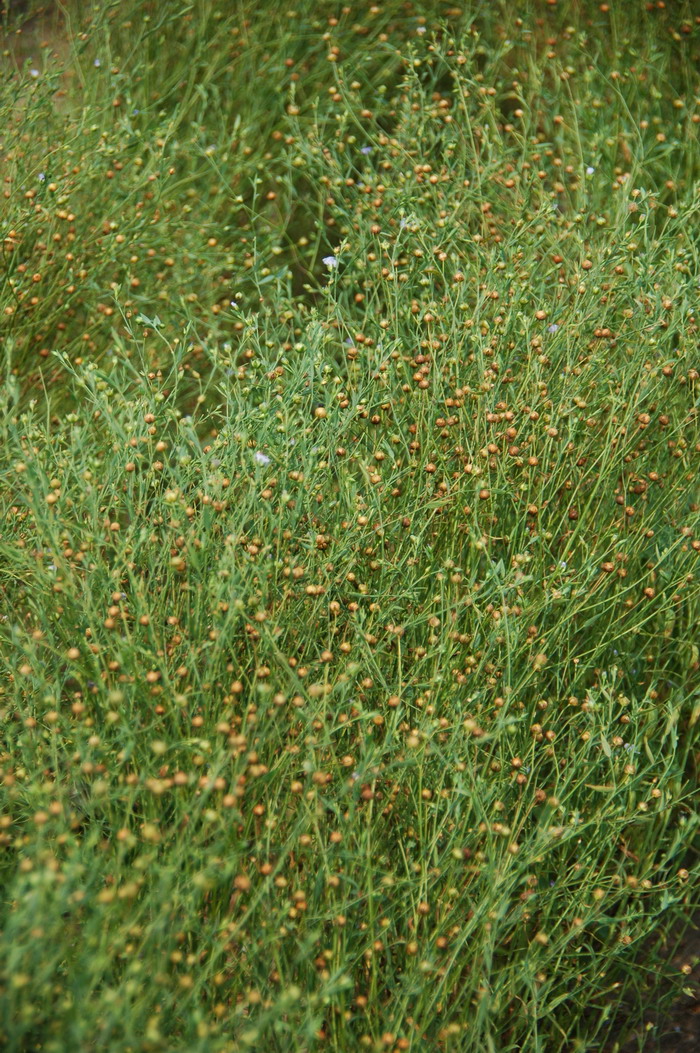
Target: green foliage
point(350, 525)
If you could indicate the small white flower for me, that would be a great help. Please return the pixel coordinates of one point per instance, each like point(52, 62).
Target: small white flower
point(420, 29)
point(552, 328)
point(590, 170)
point(234, 304)
point(34, 73)
point(260, 457)
point(41, 177)
point(97, 63)
point(330, 261)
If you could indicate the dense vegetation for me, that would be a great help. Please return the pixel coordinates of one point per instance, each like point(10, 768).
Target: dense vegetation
point(350, 524)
